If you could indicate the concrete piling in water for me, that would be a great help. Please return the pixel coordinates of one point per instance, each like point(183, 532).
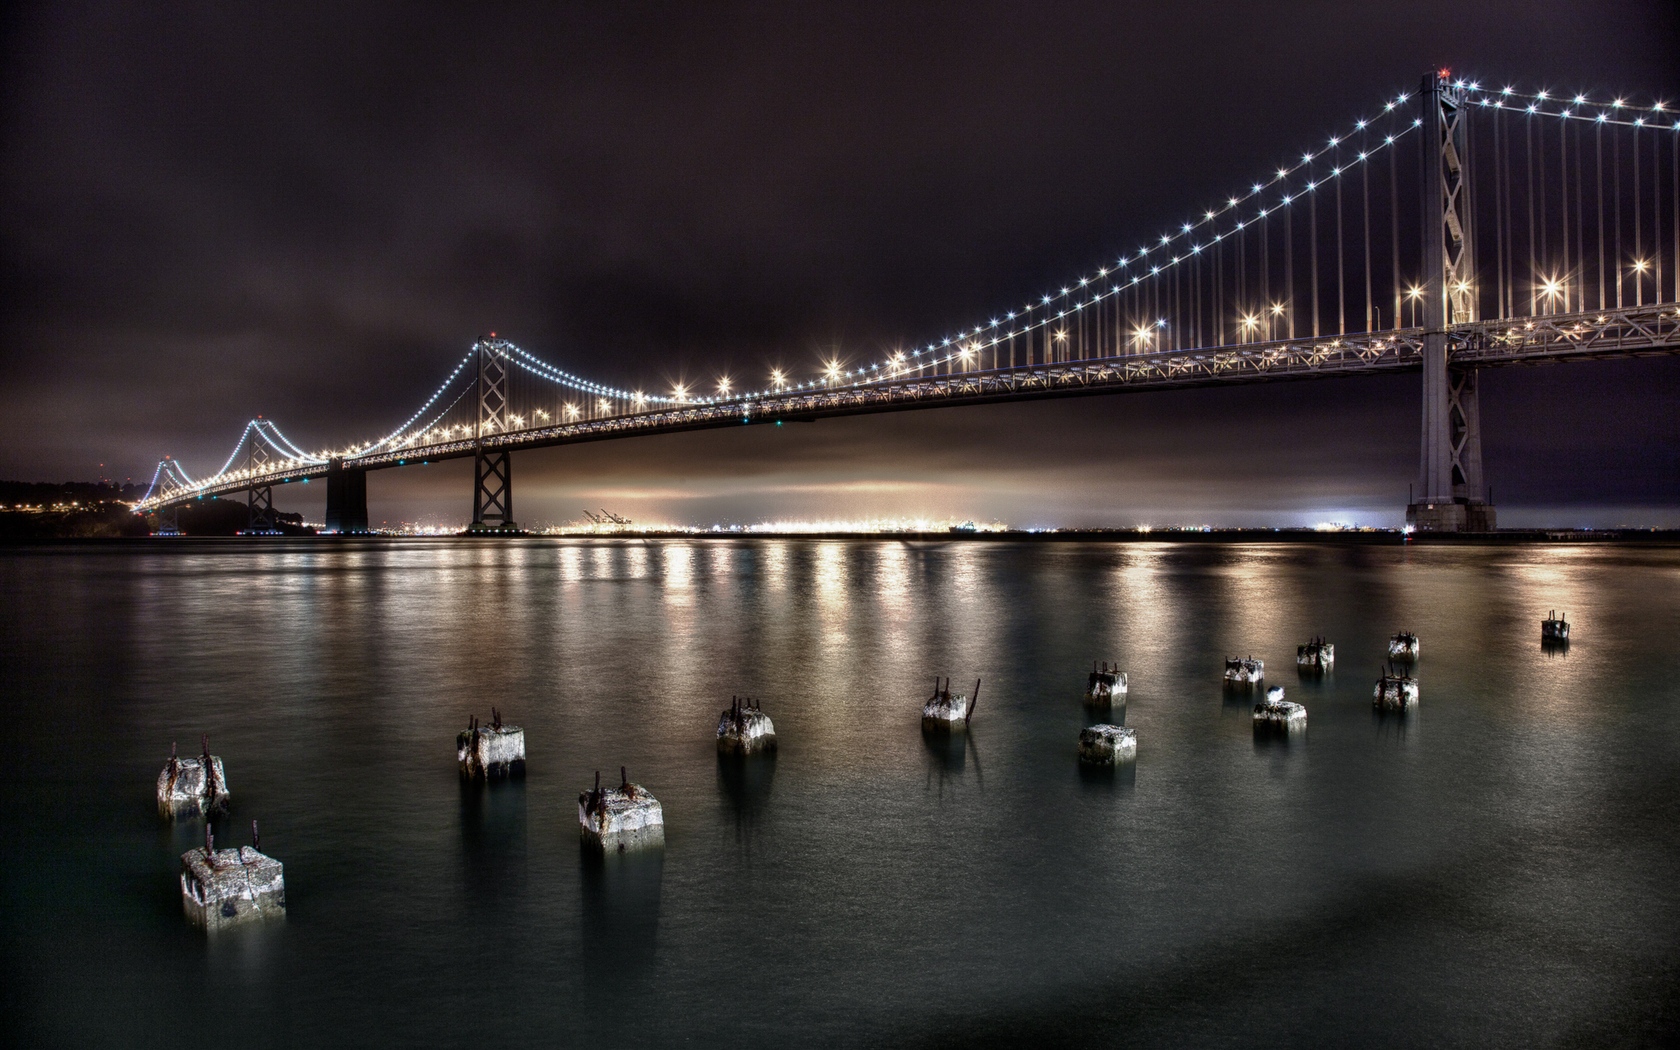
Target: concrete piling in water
point(491, 751)
point(1403, 646)
point(190, 787)
point(1315, 657)
point(1395, 691)
point(1277, 715)
point(1244, 672)
point(230, 887)
point(1106, 745)
point(619, 819)
point(945, 711)
point(1105, 687)
point(1554, 629)
point(745, 729)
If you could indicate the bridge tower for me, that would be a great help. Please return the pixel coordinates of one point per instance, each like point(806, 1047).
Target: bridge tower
point(492, 469)
point(259, 499)
point(1451, 495)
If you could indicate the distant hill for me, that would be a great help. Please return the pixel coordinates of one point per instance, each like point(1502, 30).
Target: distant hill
point(91, 510)
point(73, 509)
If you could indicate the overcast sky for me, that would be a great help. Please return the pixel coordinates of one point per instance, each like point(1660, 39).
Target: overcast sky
point(214, 211)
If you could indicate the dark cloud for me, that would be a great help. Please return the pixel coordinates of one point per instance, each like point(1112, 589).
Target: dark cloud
point(213, 211)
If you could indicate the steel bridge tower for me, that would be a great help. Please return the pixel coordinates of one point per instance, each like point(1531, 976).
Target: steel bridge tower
point(1451, 496)
point(492, 470)
point(260, 518)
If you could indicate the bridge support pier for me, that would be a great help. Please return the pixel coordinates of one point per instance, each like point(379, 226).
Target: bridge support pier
point(1453, 498)
point(259, 508)
point(493, 493)
point(347, 511)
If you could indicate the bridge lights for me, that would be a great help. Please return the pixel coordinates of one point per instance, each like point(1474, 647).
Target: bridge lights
point(1414, 295)
point(571, 410)
point(639, 398)
point(778, 378)
point(1552, 288)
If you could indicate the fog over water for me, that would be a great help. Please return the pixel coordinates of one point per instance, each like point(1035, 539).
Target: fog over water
point(1495, 869)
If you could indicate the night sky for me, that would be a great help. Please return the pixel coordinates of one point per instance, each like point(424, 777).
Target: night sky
point(213, 211)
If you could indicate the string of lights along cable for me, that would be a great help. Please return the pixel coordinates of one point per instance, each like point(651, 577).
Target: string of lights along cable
point(1563, 220)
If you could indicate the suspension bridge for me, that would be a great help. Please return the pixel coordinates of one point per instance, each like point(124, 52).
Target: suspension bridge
point(1451, 229)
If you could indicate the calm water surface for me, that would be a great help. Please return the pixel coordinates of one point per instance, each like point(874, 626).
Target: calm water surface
point(1502, 868)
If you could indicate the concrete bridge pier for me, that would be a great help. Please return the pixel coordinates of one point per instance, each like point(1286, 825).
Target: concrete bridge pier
point(347, 511)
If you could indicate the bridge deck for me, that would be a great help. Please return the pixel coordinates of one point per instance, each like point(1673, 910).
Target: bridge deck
point(1641, 331)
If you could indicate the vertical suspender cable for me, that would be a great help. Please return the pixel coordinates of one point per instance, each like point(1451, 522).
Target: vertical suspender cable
point(1533, 271)
point(1219, 290)
point(1195, 299)
point(1656, 216)
point(1563, 199)
point(1365, 195)
point(1394, 223)
point(1638, 227)
point(1176, 325)
point(1429, 175)
point(1239, 290)
point(1341, 293)
point(1289, 265)
point(1545, 220)
point(1580, 227)
point(1598, 135)
point(1616, 190)
point(1674, 204)
point(1312, 237)
point(1499, 214)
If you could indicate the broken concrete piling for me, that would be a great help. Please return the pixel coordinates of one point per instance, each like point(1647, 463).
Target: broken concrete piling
point(1277, 715)
point(1316, 657)
point(1244, 672)
point(946, 711)
point(1403, 646)
point(230, 887)
point(491, 751)
point(1106, 745)
point(1395, 691)
point(745, 729)
point(1105, 687)
point(619, 819)
point(190, 787)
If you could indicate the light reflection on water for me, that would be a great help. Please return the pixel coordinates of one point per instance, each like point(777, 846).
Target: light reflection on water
point(1508, 847)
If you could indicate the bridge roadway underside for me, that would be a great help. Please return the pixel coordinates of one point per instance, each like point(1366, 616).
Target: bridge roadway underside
point(1641, 332)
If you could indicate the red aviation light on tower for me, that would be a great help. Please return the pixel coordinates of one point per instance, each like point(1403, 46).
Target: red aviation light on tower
point(1445, 73)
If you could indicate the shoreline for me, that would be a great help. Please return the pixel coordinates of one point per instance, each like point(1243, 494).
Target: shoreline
point(1372, 538)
